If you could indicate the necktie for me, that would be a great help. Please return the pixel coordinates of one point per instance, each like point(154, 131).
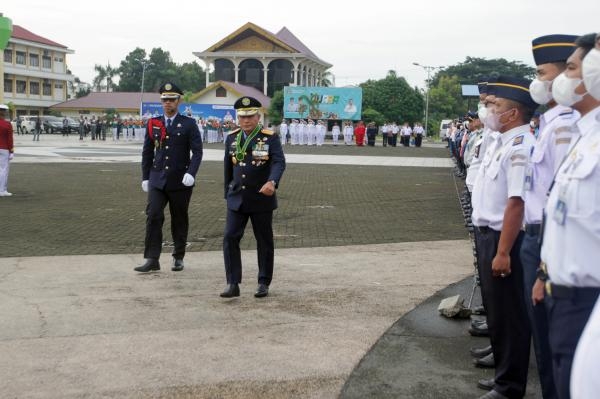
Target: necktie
point(168, 123)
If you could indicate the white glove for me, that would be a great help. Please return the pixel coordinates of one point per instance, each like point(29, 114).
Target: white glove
point(188, 180)
point(145, 186)
point(11, 156)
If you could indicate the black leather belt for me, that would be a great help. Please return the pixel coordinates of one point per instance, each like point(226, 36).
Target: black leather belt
point(532, 229)
point(483, 229)
point(564, 292)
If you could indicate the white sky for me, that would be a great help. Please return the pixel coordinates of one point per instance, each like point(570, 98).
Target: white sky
point(362, 39)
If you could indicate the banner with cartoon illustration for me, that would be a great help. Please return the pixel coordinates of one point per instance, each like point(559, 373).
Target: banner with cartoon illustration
point(322, 102)
point(196, 111)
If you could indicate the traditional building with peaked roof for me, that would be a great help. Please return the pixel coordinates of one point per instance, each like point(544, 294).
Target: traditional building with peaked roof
point(35, 72)
point(253, 56)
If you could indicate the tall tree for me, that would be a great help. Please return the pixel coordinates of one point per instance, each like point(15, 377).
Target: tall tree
point(105, 73)
point(473, 69)
point(393, 98)
point(326, 79)
point(275, 111)
point(163, 70)
point(131, 71)
point(191, 77)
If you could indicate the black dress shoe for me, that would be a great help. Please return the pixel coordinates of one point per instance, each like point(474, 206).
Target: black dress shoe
point(177, 265)
point(486, 384)
point(486, 362)
point(477, 323)
point(150, 265)
point(262, 291)
point(480, 330)
point(493, 395)
point(481, 352)
point(231, 291)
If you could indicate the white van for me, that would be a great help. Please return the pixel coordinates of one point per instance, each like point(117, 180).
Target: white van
point(444, 126)
point(27, 123)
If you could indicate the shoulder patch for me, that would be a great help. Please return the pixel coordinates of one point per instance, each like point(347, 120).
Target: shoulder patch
point(563, 129)
point(564, 140)
point(518, 140)
point(234, 131)
point(267, 132)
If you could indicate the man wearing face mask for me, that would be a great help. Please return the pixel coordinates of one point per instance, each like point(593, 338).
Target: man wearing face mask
point(584, 379)
point(498, 216)
point(571, 241)
point(555, 135)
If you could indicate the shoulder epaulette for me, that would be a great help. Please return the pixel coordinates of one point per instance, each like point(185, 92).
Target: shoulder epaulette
point(569, 113)
point(518, 140)
point(268, 132)
point(234, 131)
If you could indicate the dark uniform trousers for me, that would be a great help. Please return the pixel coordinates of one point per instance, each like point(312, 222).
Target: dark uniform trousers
point(568, 313)
point(418, 140)
point(263, 232)
point(179, 201)
point(538, 314)
point(506, 316)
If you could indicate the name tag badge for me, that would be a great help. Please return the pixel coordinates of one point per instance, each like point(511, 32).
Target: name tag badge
point(560, 210)
point(528, 185)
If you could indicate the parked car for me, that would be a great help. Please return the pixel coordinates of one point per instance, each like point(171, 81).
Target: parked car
point(27, 124)
point(73, 125)
point(51, 124)
point(444, 126)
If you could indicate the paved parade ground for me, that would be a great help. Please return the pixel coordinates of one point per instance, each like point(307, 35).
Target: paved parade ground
point(361, 239)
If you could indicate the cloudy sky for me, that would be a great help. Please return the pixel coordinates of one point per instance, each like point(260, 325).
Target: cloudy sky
point(362, 39)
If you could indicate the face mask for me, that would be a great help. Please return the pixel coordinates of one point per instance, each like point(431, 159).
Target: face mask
point(541, 91)
point(532, 124)
point(494, 120)
point(563, 90)
point(482, 112)
point(591, 73)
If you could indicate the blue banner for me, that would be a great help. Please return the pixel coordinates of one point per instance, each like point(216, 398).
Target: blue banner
point(322, 102)
point(197, 111)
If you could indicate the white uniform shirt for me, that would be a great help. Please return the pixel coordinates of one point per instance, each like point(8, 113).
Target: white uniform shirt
point(571, 246)
point(548, 152)
point(395, 129)
point(479, 150)
point(474, 137)
point(585, 383)
point(501, 176)
point(283, 129)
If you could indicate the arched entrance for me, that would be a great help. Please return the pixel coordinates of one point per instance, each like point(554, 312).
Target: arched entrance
point(251, 73)
point(281, 73)
point(224, 70)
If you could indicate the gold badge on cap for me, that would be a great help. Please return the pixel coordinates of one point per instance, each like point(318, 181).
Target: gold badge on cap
point(246, 101)
point(168, 86)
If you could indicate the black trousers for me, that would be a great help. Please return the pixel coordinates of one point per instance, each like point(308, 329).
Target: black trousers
point(384, 139)
point(567, 318)
point(506, 316)
point(418, 140)
point(262, 225)
point(179, 202)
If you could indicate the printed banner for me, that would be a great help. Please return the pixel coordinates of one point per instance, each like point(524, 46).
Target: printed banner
point(197, 111)
point(322, 102)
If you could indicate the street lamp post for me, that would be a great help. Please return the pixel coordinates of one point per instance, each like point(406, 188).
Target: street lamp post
point(429, 69)
point(145, 64)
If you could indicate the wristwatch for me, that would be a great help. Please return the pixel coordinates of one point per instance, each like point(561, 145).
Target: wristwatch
point(541, 274)
point(274, 183)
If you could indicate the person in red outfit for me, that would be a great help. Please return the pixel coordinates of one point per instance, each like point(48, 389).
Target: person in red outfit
point(359, 134)
point(6, 149)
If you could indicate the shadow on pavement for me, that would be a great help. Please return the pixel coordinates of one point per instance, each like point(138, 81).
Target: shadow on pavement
point(424, 355)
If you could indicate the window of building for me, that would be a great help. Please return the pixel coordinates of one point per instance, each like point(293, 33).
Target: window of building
point(46, 62)
point(34, 60)
point(58, 85)
point(8, 55)
point(34, 88)
point(21, 86)
point(47, 89)
point(221, 92)
point(58, 59)
point(20, 57)
point(8, 85)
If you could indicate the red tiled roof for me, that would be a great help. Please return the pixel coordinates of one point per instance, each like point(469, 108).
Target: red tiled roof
point(116, 100)
point(23, 34)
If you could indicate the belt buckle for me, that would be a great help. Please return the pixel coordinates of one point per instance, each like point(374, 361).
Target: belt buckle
point(524, 227)
point(548, 288)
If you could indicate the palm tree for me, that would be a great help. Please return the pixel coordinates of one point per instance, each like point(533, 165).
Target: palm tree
point(326, 79)
point(103, 73)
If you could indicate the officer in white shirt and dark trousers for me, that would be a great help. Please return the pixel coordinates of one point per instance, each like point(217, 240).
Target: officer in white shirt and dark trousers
point(571, 240)
point(585, 383)
point(555, 135)
point(498, 216)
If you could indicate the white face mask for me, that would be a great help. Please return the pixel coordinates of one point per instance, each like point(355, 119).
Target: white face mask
point(482, 112)
point(563, 90)
point(541, 91)
point(591, 73)
point(494, 120)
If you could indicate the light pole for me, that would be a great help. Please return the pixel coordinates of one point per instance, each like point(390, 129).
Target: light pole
point(145, 64)
point(429, 69)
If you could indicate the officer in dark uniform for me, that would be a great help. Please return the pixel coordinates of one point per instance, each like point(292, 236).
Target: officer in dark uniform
point(168, 176)
point(254, 164)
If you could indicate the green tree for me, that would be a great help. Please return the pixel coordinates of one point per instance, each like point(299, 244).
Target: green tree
point(393, 98)
point(163, 70)
point(275, 111)
point(326, 79)
point(473, 69)
point(370, 115)
point(131, 71)
point(105, 73)
point(191, 77)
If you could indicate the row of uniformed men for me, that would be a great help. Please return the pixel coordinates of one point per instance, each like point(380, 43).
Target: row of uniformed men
point(303, 132)
point(536, 213)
